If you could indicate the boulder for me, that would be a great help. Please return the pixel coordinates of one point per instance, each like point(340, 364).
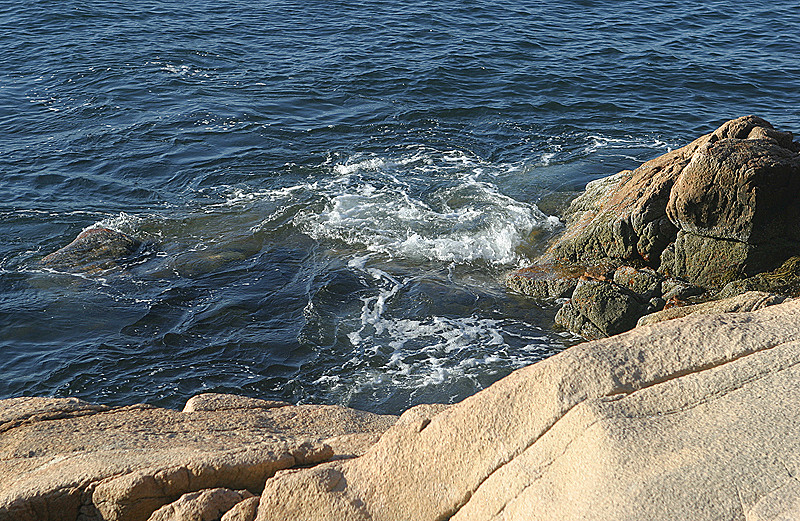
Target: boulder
point(95, 249)
point(556, 280)
point(61, 459)
point(646, 283)
point(737, 205)
point(599, 309)
point(228, 402)
point(624, 216)
point(205, 505)
point(722, 208)
point(693, 418)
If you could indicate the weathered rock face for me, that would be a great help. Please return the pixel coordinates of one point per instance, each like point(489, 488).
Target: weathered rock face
point(599, 309)
point(723, 208)
point(94, 249)
point(738, 183)
point(206, 505)
point(737, 204)
point(61, 459)
point(688, 419)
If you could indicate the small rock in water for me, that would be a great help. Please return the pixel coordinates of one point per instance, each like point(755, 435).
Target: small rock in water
point(93, 250)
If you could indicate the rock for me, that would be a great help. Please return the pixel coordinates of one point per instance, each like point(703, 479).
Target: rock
point(750, 301)
point(645, 282)
point(741, 190)
point(598, 309)
point(673, 288)
point(691, 419)
point(94, 249)
point(656, 304)
point(722, 208)
point(61, 459)
point(784, 280)
point(205, 505)
point(737, 204)
point(625, 216)
point(545, 281)
point(226, 402)
point(569, 318)
point(243, 511)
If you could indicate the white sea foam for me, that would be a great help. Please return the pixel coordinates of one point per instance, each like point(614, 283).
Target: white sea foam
point(428, 206)
point(598, 142)
point(420, 352)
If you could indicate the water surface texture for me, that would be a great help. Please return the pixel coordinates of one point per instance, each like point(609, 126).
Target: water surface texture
point(331, 192)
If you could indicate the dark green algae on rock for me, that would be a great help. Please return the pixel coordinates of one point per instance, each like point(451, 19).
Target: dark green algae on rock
point(724, 208)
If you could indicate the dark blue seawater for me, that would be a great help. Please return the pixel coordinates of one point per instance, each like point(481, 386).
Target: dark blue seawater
point(332, 191)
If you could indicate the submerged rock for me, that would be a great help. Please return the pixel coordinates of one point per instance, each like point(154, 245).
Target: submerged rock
point(93, 250)
point(723, 208)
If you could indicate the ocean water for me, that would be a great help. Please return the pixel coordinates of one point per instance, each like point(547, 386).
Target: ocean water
point(331, 192)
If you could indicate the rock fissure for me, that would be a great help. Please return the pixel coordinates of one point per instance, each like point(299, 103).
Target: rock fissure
point(714, 395)
point(695, 370)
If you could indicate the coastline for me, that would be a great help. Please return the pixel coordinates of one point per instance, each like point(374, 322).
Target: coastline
point(692, 417)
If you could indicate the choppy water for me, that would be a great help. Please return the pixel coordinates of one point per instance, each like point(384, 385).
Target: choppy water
point(332, 190)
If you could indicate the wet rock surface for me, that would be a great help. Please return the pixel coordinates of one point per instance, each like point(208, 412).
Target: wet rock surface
point(717, 213)
point(93, 250)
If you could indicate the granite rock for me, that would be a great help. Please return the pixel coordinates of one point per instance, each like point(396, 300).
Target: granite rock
point(750, 301)
point(243, 511)
point(692, 418)
point(204, 505)
point(66, 459)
